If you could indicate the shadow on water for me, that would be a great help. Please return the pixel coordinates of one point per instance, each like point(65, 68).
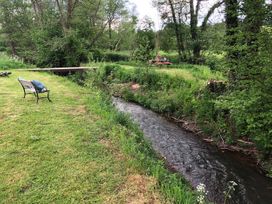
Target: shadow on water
point(198, 161)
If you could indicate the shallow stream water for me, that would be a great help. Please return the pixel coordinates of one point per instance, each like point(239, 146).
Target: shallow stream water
point(198, 161)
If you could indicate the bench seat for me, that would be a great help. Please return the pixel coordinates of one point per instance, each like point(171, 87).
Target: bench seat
point(29, 88)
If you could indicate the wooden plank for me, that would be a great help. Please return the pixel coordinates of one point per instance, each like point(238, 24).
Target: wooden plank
point(61, 69)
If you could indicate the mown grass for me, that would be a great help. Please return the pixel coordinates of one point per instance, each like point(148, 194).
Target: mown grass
point(7, 62)
point(75, 150)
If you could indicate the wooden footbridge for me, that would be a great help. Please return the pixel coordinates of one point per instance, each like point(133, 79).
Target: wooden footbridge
point(62, 70)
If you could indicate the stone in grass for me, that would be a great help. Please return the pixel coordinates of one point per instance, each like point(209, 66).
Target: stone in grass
point(35, 138)
point(135, 86)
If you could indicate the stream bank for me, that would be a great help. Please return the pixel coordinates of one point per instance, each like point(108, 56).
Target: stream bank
point(190, 94)
point(199, 162)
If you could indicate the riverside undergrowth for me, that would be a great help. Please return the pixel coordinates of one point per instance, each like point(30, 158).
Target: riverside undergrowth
point(174, 92)
point(182, 94)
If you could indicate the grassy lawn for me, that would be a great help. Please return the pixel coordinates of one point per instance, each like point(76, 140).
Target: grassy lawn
point(66, 151)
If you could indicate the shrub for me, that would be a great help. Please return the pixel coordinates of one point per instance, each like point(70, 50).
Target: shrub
point(115, 57)
point(60, 50)
point(7, 62)
point(96, 55)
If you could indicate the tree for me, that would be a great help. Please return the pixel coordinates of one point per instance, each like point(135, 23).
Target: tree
point(145, 41)
point(114, 10)
point(197, 32)
point(232, 23)
point(249, 50)
point(126, 34)
point(167, 38)
point(182, 12)
point(57, 32)
point(172, 11)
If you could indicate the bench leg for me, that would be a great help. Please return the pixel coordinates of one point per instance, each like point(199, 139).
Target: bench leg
point(37, 96)
point(48, 96)
point(24, 93)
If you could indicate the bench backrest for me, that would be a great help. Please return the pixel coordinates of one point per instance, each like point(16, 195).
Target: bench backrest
point(27, 85)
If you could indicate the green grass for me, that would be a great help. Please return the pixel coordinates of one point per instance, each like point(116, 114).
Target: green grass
point(7, 62)
point(195, 74)
point(75, 150)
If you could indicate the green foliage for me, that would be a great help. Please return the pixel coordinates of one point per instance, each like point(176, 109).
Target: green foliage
point(108, 56)
point(63, 51)
point(249, 103)
point(3, 47)
point(171, 56)
point(164, 92)
point(216, 61)
point(167, 38)
point(145, 42)
point(48, 35)
point(108, 70)
point(116, 56)
point(11, 63)
point(251, 116)
point(214, 37)
point(96, 55)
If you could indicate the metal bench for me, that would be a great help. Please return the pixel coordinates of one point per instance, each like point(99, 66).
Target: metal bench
point(29, 88)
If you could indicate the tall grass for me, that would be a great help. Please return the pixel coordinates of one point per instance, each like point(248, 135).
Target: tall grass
point(7, 62)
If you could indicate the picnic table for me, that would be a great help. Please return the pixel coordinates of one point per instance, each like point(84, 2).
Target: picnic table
point(159, 60)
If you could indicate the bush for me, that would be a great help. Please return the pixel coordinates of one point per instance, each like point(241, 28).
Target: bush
point(107, 56)
point(7, 62)
point(215, 62)
point(115, 57)
point(96, 55)
point(107, 72)
point(60, 51)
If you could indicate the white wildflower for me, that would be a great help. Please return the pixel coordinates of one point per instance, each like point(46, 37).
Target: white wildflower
point(201, 190)
point(230, 190)
point(233, 183)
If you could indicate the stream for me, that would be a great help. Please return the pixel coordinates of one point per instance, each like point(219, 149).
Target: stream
point(199, 162)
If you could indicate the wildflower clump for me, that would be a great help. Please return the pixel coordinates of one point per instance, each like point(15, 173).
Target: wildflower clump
point(202, 193)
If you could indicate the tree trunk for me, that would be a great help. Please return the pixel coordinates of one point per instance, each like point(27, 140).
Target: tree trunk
point(13, 48)
point(66, 20)
point(110, 36)
point(194, 31)
point(180, 45)
point(38, 9)
point(62, 21)
point(231, 33)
